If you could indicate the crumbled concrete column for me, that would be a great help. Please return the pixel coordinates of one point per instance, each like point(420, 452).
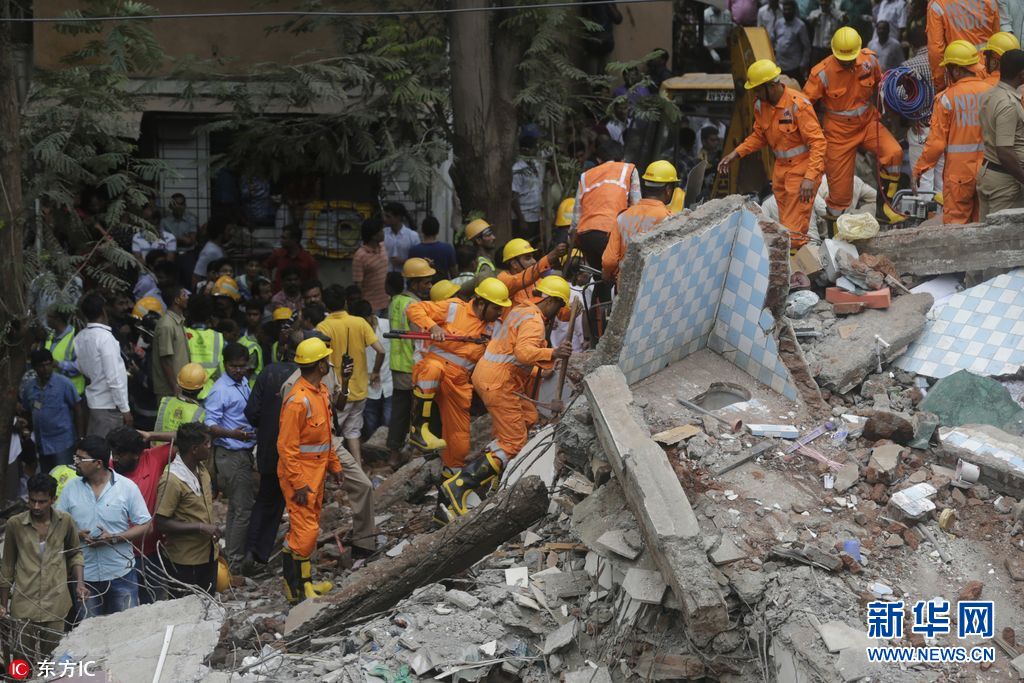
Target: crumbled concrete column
point(651, 488)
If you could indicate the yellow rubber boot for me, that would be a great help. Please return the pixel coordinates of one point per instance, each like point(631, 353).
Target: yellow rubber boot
point(426, 423)
point(476, 477)
point(310, 588)
point(892, 184)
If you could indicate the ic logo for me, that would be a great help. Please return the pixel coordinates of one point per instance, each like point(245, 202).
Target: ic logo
point(19, 670)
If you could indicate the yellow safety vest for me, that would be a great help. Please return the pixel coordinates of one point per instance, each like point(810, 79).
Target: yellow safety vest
point(65, 350)
point(205, 347)
point(255, 356)
point(174, 412)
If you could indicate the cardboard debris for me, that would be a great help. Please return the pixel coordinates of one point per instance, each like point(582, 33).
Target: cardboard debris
point(670, 437)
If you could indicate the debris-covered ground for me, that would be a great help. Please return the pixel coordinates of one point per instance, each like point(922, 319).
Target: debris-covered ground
point(640, 538)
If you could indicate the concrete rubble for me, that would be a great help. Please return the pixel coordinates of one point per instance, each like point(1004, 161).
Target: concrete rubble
point(675, 547)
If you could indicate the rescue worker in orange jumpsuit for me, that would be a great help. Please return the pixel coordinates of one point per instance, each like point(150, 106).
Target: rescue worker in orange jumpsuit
point(658, 184)
point(956, 130)
point(997, 44)
point(517, 347)
point(522, 269)
point(785, 121)
point(305, 460)
point(950, 20)
point(604, 192)
point(846, 83)
point(444, 370)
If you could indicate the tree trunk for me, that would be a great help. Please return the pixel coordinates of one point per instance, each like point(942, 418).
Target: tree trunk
point(429, 558)
point(408, 483)
point(483, 72)
point(13, 310)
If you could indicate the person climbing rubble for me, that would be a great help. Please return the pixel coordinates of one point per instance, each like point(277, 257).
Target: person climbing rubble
point(522, 269)
point(502, 379)
point(444, 372)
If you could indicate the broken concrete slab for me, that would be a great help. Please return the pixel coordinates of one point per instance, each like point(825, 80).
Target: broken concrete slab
point(644, 586)
point(948, 248)
point(542, 466)
point(847, 476)
point(838, 636)
point(999, 455)
point(726, 551)
point(461, 599)
point(588, 675)
point(840, 365)
point(829, 252)
point(981, 329)
point(913, 503)
point(561, 637)
point(127, 645)
point(721, 303)
point(618, 542)
point(884, 459)
point(671, 532)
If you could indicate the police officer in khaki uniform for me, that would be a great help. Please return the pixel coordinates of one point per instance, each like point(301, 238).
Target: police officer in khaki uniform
point(1001, 176)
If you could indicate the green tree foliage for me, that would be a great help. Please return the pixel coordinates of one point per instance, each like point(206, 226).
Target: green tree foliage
point(77, 136)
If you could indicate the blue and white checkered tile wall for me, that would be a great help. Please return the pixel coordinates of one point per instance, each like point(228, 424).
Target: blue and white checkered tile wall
point(707, 291)
point(980, 329)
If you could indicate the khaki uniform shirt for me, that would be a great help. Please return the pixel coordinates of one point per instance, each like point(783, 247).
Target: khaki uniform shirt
point(40, 576)
point(1002, 121)
point(175, 500)
point(168, 340)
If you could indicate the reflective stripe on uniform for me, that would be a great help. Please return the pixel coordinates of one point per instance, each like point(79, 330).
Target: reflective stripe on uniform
point(849, 112)
point(428, 384)
point(960, 149)
point(937, 8)
point(790, 153)
point(452, 310)
point(319, 448)
point(452, 358)
point(504, 358)
point(823, 77)
point(621, 182)
point(309, 406)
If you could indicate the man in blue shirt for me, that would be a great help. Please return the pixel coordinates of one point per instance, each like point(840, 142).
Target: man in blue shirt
point(110, 514)
point(440, 254)
point(233, 441)
point(55, 406)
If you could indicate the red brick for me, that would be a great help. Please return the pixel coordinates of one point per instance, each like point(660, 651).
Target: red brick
point(848, 309)
point(878, 299)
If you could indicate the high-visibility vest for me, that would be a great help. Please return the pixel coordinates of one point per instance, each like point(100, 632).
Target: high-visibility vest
point(174, 412)
point(255, 356)
point(484, 262)
point(401, 349)
point(65, 350)
point(205, 347)
point(274, 353)
point(604, 194)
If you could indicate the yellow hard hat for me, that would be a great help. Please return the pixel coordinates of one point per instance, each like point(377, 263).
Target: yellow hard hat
point(474, 228)
point(564, 217)
point(960, 53)
point(445, 289)
point(1001, 42)
point(494, 290)
point(678, 197)
point(226, 286)
point(223, 575)
point(191, 377)
point(310, 351)
point(516, 247)
point(147, 304)
point(554, 285)
point(282, 313)
point(846, 44)
point(760, 72)
point(661, 171)
point(418, 267)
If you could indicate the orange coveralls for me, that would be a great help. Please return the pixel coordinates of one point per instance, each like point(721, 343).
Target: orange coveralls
point(956, 130)
point(517, 346)
point(305, 456)
point(636, 220)
point(949, 20)
point(519, 284)
point(602, 195)
point(445, 368)
point(851, 123)
point(790, 127)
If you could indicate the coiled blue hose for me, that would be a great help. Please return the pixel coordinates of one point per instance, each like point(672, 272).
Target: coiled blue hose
point(905, 92)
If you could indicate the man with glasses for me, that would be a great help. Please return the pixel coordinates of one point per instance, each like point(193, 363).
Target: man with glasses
point(111, 514)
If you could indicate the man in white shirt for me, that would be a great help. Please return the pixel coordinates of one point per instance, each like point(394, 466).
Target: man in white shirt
point(399, 238)
point(527, 190)
point(768, 15)
point(99, 359)
point(217, 234)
